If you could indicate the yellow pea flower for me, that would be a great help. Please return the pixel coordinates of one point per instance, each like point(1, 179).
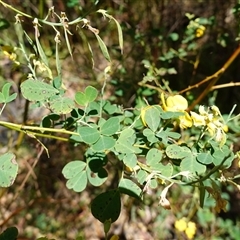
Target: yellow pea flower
point(185, 121)
point(181, 224)
point(198, 120)
point(178, 103)
point(191, 230)
point(200, 31)
point(10, 53)
point(175, 103)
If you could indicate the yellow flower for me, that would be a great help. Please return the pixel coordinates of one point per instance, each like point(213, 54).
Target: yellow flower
point(185, 121)
point(175, 103)
point(198, 120)
point(213, 122)
point(178, 103)
point(200, 31)
point(181, 224)
point(10, 53)
point(191, 230)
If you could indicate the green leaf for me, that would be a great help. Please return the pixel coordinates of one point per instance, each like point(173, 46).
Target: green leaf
point(5, 90)
point(89, 135)
point(110, 108)
point(125, 146)
point(4, 95)
point(10, 233)
point(152, 118)
point(191, 164)
point(81, 99)
point(165, 170)
point(78, 183)
point(73, 168)
point(174, 36)
point(153, 156)
point(34, 90)
point(104, 143)
point(103, 48)
point(220, 154)
point(142, 176)
point(107, 206)
point(8, 169)
point(153, 183)
point(127, 133)
point(41, 51)
point(61, 105)
point(150, 135)
point(177, 152)
point(2, 98)
point(97, 177)
point(75, 172)
point(164, 135)
point(205, 158)
point(57, 82)
point(91, 93)
point(110, 127)
point(170, 115)
point(130, 160)
point(11, 98)
point(130, 188)
point(171, 71)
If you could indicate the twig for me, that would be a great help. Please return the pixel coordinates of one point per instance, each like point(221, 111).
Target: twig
point(215, 77)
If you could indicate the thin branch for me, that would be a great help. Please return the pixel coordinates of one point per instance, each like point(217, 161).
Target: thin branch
point(215, 77)
point(225, 85)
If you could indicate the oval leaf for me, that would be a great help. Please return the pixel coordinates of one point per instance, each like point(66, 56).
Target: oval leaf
point(89, 135)
point(107, 206)
point(34, 90)
point(152, 118)
point(153, 156)
point(130, 160)
point(81, 98)
point(205, 158)
point(104, 143)
point(73, 168)
point(111, 126)
point(91, 93)
point(130, 188)
point(8, 169)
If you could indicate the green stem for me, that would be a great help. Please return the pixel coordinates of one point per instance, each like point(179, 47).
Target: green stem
point(216, 168)
point(14, 9)
point(24, 128)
